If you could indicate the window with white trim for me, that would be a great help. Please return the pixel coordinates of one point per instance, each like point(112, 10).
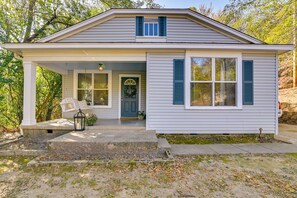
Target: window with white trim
point(151, 29)
point(94, 87)
point(213, 81)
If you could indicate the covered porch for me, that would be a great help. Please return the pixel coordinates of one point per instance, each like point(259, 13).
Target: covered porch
point(103, 89)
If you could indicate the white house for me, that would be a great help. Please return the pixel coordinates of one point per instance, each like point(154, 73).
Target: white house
point(189, 73)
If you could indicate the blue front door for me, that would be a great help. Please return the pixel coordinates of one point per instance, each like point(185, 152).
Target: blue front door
point(129, 97)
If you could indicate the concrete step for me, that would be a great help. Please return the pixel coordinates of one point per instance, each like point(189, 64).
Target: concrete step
point(286, 139)
point(164, 148)
point(105, 144)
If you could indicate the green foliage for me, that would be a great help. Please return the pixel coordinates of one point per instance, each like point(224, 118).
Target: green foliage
point(91, 119)
point(268, 20)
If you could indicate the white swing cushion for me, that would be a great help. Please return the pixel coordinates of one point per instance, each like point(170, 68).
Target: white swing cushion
point(83, 105)
point(71, 104)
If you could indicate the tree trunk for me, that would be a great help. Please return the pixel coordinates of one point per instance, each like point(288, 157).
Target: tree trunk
point(30, 19)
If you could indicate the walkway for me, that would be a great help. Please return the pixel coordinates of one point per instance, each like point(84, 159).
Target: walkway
point(287, 133)
point(213, 149)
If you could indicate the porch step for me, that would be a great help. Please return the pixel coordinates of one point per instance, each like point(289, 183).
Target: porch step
point(105, 144)
point(164, 148)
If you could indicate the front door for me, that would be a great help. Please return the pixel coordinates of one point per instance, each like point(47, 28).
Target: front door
point(129, 97)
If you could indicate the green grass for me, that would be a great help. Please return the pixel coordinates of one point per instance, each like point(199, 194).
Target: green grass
point(215, 139)
point(9, 163)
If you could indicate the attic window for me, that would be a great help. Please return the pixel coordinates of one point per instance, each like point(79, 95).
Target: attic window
point(151, 29)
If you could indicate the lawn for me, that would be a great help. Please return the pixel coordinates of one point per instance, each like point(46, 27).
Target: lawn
point(216, 139)
point(221, 176)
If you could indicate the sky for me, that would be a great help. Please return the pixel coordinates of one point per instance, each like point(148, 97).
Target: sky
point(216, 4)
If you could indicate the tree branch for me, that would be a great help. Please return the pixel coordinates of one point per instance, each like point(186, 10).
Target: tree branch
point(38, 32)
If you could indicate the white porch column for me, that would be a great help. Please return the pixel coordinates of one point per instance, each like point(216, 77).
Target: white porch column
point(29, 93)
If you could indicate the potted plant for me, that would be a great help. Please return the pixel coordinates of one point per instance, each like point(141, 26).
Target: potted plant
point(91, 119)
point(141, 115)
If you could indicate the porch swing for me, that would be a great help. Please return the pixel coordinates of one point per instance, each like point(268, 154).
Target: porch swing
point(73, 105)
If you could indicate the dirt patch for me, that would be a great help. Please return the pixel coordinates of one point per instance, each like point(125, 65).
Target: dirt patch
point(217, 139)
point(288, 98)
point(288, 95)
point(24, 144)
point(211, 176)
point(8, 136)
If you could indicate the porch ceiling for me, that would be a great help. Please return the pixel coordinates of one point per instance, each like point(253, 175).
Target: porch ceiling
point(63, 67)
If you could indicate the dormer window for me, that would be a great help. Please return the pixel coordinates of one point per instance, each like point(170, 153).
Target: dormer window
point(151, 29)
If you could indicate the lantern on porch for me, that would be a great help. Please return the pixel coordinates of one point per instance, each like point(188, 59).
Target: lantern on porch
point(79, 121)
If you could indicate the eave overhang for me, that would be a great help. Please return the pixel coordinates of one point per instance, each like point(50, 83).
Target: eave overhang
point(20, 47)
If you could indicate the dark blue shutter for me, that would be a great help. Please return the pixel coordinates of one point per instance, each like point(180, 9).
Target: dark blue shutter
point(162, 26)
point(139, 25)
point(178, 81)
point(248, 82)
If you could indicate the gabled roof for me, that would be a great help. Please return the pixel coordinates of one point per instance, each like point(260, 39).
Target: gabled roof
point(188, 12)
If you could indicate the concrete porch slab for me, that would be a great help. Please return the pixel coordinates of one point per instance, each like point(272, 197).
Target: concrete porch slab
point(107, 136)
point(105, 144)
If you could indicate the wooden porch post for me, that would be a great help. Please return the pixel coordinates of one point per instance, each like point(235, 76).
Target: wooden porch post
point(29, 102)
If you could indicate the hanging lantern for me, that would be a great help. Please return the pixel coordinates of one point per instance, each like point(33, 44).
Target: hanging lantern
point(79, 121)
point(101, 67)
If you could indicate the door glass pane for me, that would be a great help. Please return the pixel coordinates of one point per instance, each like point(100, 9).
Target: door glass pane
point(225, 69)
point(201, 94)
point(85, 81)
point(201, 69)
point(100, 81)
point(85, 95)
point(225, 94)
point(100, 97)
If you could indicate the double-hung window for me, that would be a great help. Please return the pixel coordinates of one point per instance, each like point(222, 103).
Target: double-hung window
point(94, 87)
point(213, 82)
point(151, 29)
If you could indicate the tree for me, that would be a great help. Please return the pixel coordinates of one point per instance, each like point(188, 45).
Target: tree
point(268, 20)
point(205, 10)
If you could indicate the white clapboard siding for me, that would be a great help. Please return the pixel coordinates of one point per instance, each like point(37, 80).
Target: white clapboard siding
point(123, 30)
point(105, 113)
point(113, 30)
point(164, 117)
point(185, 30)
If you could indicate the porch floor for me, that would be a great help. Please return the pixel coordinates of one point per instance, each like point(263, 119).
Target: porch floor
point(67, 124)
